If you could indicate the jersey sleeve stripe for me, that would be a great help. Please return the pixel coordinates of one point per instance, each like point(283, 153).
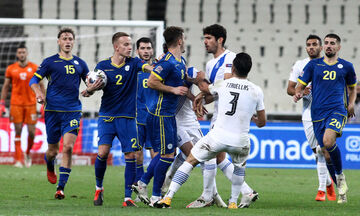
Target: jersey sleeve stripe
point(38, 75)
point(143, 67)
point(352, 85)
point(302, 82)
point(157, 75)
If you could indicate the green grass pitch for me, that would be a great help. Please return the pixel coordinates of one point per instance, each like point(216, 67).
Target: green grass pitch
point(282, 192)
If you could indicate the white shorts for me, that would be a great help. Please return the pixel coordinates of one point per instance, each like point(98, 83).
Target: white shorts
point(188, 135)
point(208, 148)
point(309, 133)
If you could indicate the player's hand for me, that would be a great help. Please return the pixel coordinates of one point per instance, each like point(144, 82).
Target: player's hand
point(40, 97)
point(2, 108)
point(180, 90)
point(351, 110)
point(297, 97)
point(198, 100)
point(307, 90)
point(200, 76)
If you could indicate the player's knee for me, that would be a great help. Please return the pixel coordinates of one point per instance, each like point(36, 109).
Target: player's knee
point(220, 157)
point(130, 155)
point(67, 148)
point(52, 152)
point(328, 142)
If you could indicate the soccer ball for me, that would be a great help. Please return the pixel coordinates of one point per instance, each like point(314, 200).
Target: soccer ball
point(92, 76)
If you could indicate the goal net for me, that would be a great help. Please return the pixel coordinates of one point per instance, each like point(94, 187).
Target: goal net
point(92, 44)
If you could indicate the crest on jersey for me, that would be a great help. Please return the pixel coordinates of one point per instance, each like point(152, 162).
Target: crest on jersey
point(127, 67)
point(158, 69)
point(73, 123)
point(169, 146)
point(76, 62)
point(340, 66)
point(23, 76)
point(29, 69)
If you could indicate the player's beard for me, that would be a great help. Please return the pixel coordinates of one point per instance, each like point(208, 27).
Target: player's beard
point(330, 55)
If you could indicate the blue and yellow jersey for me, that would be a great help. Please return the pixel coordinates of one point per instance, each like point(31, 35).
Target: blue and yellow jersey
point(142, 92)
point(64, 76)
point(119, 98)
point(171, 72)
point(329, 86)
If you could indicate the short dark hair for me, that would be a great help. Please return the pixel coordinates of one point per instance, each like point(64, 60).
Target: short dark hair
point(312, 36)
point(143, 40)
point(242, 64)
point(21, 46)
point(217, 31)
point(172, 34)
point(335, 36)
point(165, 49)
point(66, 30)
point(118, 35)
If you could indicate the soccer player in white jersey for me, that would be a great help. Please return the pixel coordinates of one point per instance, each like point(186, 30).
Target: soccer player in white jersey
point(218, 68)
point(313, 49)
point(238, 99)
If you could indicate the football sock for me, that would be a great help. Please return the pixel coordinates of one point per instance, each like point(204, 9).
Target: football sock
point(331, 170)
point(64, 176)
point(159, 174)
point(245, 189)
point(179, 160)
point(30, 145)
point(227, 167)
point(50, 164)
point(139, 171)
point(18, 151)
point(180, 177)
point(237, 180)
point(322, 172)
point(335, 156)
point(150, 170)
point(209, 174)
point(100, 168)
point(130, 175)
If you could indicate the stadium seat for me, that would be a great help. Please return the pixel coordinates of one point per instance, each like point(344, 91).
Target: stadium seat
point(67, 9)
point(121, 10)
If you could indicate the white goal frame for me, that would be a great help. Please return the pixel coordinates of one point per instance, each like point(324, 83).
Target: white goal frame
point(159, 25)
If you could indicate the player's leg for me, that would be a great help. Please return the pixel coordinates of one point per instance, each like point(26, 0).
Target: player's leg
point(139, 155)
point(17, 117)
point(70, 127)
point(167, 141)
point(106, 135)
point(30, 120)
point(324, 176)
point(127, 134)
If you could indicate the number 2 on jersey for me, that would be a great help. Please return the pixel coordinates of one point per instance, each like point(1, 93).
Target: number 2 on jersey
point(119, 77)
point(233, 103)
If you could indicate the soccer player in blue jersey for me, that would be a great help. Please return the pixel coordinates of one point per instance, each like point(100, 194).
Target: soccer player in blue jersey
point(64, 72)
point(334, 93)
point(118, 112)
point(167, 84)
point(145, 51)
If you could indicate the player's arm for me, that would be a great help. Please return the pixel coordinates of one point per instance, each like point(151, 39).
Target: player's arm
point(34, 83)
point(4, 92)
point(352, 98)
point(147, 68)
point(260, 118)
point(155, 82)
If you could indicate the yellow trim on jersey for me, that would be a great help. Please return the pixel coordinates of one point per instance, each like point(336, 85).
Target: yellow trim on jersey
point(66, 173)
point(166, 161)
point(38, 75)
point(352, 85)
point(158, 106)
point(140, 123)
point(118, 66)
point(168, 56)
point(341, 114)
point(302, 82)
point(158, 115)
point(143, 67)
point(330, 64)
point(64, 58)
point(318, 120)
point(117, 117)
point(162, 136)
point(345, 98)
point(157, 75)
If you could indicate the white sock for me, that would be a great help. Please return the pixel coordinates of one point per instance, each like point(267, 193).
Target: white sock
point(328, 180)
point(179, 160)
point(322, 172)
point(237, 180)
point(245, 188)
point(209, 174)
point(180, 177)
point(227, 167)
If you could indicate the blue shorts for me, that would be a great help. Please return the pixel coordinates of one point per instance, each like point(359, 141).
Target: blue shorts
point(335, 122)
point(59, 123)
point(123, 128)
point(162, 133)
point(144, 140)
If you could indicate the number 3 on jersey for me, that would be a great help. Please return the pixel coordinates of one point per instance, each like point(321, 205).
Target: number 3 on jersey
point(233, 103)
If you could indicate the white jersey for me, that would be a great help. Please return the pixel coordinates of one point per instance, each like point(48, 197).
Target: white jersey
point(296, 71)
point(215, 70)
point(238, 100)
point(185, 115)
